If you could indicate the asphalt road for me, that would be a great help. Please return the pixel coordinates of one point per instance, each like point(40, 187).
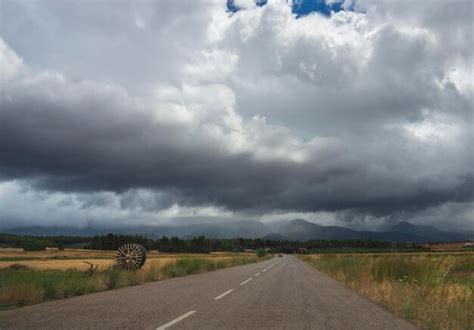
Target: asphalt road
point(281, 293)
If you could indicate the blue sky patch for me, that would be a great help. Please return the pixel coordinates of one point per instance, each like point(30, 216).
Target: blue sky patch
point(306, 7)
point(300, 7)
point(232, 7)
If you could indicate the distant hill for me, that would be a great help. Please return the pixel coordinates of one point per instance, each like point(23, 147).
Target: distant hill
point(302, 230)
point(427, 232)
point(274, 237)
point(297, 230)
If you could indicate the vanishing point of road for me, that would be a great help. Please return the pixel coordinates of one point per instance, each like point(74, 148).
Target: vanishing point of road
point(280, 293)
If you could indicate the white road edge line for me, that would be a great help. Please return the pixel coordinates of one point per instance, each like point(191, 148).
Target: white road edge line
point(176, 320)
point(223, 294)
point(258, 274)
point(246, 281)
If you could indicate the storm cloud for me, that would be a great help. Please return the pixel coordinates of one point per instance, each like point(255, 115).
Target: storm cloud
point(156, 110)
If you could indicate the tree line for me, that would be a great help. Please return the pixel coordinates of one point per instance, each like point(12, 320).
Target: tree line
point(39, 243)
point(200, 244)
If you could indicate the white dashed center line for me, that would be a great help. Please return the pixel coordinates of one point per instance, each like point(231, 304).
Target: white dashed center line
point(246, 281)
point(223, 294)
point(258, 274)
point(176, 320)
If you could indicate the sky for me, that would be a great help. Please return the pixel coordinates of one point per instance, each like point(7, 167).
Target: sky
point(353, 113)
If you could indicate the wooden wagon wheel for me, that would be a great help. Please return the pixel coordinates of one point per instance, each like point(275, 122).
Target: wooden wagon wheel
point(130, 256)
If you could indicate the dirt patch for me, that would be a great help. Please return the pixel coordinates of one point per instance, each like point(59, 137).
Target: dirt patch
point(459, 246)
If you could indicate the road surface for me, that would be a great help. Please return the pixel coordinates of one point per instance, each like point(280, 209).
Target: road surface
point(280, 293)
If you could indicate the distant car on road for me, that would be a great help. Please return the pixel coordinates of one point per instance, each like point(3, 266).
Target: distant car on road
point(280, 255)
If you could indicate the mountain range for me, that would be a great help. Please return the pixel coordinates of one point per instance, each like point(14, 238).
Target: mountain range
point(303, 230)
point(298, 230)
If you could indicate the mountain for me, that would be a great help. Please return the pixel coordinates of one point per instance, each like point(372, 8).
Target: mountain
point(297, 230)
point(274, 237)
point(302, 230)
point(428, 232)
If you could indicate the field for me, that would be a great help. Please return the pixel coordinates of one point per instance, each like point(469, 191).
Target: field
point(434, 290)
point(74, 258)
point(32, 277)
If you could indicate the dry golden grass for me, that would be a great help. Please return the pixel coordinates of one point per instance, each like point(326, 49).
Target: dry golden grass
point(424, 288)
point(52, 252)
point(73, 258)
point(59, 264)
point(92, 254)
point(23, 295)
point(79, 264)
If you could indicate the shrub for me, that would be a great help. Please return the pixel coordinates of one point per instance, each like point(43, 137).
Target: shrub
point(34, 246)
point(261, 253)
point(18, 267)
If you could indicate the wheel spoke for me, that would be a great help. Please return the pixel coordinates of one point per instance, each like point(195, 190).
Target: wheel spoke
point(130, 256)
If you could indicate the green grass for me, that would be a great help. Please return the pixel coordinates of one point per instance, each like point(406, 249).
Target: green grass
point(21, 285)
point(364, 250)
point(19, 258)
point(186, 266)
point(26, 286)
point(436, 291)
point(464, 266)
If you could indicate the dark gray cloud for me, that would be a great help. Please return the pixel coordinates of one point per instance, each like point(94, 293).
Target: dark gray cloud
point(87, 141)
point(363, 117)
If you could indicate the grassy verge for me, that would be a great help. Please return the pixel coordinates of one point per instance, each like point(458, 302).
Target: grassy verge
point(21, 285)
point(434, 291)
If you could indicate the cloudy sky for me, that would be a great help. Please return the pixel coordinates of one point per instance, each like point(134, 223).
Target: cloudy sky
point(355, 113)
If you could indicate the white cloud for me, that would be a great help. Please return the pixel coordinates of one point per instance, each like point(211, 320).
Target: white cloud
point(10, 63)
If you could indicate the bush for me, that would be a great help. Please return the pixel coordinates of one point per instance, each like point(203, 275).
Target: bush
point(34, 246)
point(18, 267)
point(261, 253)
